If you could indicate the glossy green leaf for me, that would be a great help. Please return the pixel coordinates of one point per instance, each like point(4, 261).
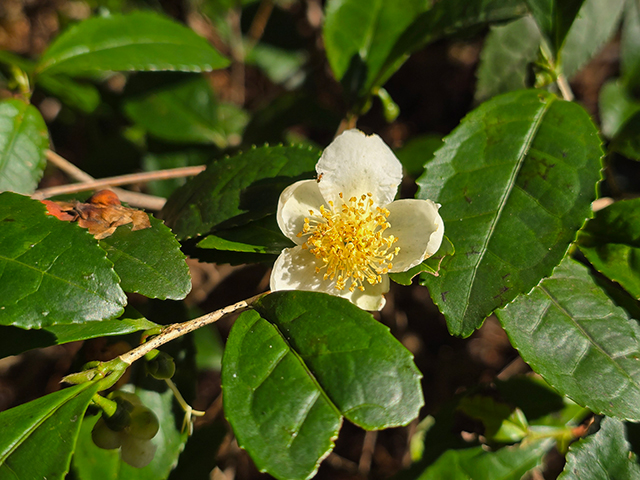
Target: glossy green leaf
point(444, 19)
point(44, 260)
point(187, 112)
point(248, 183)
point(149, 261)
point(417, 152)
point(15, 340)
point(93, 463)
point(136, 41)
point(358, 35)
point(288, 379)
point(516, 180)
point(502, 423)
point(582, 344)
point(611, 242)
point(504, 69)
point(278, 412)
point(82, 96)
point(617, 106)
point(23, 64)
point(39, 437)
point(554, 17)
point(431, 265)
point(596, 24)
point(23, 141)
point(605, 454)
point(627, 140)
point(508, 463)
point(261, 236)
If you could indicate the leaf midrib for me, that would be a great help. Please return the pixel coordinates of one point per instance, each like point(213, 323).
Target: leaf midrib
point(535, 127)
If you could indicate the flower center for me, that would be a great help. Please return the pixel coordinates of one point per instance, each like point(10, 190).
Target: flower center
point(349, 240)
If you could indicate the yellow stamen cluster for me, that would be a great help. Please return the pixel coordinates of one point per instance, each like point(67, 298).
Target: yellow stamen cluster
point(348, 238)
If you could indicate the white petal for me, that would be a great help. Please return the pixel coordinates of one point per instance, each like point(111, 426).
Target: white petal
point(294, 269)
point(293, 206)
point(419, 229)
point(356, 164)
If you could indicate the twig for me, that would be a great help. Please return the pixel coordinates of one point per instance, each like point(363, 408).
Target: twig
point(256, 30)
point(179, 329)
point(141, 200)
point(564, 87)
point(119, 180)
point(368, 446)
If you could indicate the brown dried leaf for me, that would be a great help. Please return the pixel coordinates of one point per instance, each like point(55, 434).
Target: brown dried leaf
point(101, 215)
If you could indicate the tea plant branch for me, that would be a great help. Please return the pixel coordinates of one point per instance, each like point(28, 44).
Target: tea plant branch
point(171, 332)
point(136, 199)
point(564, 87)
point(128, 179)
point(256, 30)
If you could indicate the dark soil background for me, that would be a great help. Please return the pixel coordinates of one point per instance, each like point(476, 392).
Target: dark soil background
point(434, 90)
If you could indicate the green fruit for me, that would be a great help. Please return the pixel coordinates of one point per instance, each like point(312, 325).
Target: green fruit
point(122, 416)
point(161, 366)
point(144, 423)
point(104, 437)
point(137, 452)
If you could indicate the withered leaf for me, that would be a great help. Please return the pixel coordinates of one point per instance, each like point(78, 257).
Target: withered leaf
point(101, 214)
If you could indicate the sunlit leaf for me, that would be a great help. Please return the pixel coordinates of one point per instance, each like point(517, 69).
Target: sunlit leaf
point(516, 180)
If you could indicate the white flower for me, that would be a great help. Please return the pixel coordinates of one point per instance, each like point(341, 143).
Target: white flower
point(349, 233)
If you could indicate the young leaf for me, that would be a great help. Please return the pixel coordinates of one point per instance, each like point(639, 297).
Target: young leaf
point(444, 19)
point(359, 35)
point(584, 346)
point(289, 379)
point(248, 183)
point(91, 462)
point(503, 69)
point(39, 437)
point(149, 261)
point(611, 242)
point(554, 17)
point(187, 112)
point(137, 41)
point(23, 141)
point(508, 463)
point(44, 260)
point(515, 179)
point(605, 454)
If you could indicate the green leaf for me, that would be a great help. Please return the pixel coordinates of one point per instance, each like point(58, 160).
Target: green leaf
point(605, 454)
point(596, 23)
point(261, 236)
point(611, 242)
point(15, 340)
point(182, 158)
point(9, 58)
point(290, 376)
point(431, 265)
point(554, 17)
point(280, 65)
point(415, 154)
point(82, 96)
point(630, 46)
point(572, 334)
point(627, 140)
point(502, 423)
point(149, 261)
point(358, 36)
point(617, 106)
point(23, 141)
point(503, 69)
point(508, 463)
point(516, 180)
point(39, 437)
point(187, 112)
point(137, 41)
point(93, 463)
point(278, 412)
point(452, 17)
point(248, 183)
point(44, 260)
